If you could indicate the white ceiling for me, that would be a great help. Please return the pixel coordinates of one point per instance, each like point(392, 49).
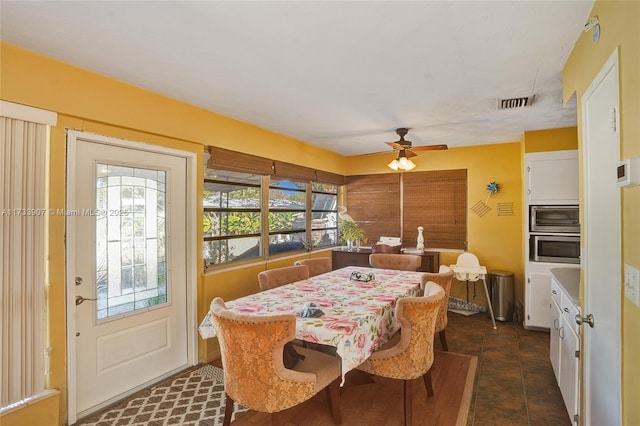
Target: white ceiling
point(341, 75)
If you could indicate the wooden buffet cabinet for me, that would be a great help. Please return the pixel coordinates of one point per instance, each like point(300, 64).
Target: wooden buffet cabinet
point(340, 258)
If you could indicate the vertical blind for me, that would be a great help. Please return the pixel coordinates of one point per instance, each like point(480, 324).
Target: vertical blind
point(22, 259)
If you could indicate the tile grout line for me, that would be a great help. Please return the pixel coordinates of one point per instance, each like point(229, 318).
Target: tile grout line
point(522, 378)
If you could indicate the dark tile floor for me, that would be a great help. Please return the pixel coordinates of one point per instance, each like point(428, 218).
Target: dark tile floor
point(514, 383)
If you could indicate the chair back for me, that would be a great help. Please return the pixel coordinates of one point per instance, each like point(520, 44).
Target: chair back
point(251, 347)
point(316, 266)
point(273, 278)
point(443, 278)
point(412, 356)
point(467, 259)
point(400, 262)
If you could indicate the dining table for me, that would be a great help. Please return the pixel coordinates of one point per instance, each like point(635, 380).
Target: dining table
point(357, 307)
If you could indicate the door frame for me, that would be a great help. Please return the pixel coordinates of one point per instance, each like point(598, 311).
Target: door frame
point(610, 66)
point(70, 250)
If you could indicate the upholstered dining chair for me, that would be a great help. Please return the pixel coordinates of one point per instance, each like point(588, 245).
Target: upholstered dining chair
point(408, 354)
point(254, 372)
point(443, 278)
point(317, 266)
point(400, 262)
point(276, 277)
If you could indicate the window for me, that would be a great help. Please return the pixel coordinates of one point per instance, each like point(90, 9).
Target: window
point(232, 222)
point(287, 216)
point(252, 216)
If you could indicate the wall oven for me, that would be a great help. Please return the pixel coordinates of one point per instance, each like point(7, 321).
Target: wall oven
point(554, 248)
point(565, 219)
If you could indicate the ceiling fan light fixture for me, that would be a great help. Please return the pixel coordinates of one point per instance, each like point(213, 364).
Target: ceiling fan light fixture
point(401, 163)
point(409, 166)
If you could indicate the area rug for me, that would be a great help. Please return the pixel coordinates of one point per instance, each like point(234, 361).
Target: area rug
point(370, 401)
point(191, 399)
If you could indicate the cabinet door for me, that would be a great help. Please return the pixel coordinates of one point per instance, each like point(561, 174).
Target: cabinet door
point(569, 364)
point(552, 177)
point(538, 297)
point(554, 339)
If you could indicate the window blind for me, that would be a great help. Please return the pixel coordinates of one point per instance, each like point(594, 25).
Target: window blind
point(22, 260)
point(437, 201)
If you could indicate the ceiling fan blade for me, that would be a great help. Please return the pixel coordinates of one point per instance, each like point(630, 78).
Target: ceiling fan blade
point(409, 153)
point(395, 145)
point(430, 147)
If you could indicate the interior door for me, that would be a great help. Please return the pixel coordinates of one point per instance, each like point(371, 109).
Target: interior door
point(127, 236)
point(602, 249)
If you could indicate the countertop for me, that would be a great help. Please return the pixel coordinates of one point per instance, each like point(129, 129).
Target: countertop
point(569, 279)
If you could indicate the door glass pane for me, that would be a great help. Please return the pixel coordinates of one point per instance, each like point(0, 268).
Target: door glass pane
point(130, 239)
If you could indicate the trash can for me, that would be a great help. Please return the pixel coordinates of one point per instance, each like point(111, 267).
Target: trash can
point(502, 294)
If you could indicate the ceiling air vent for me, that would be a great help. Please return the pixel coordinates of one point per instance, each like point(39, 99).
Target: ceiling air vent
point(515, 102)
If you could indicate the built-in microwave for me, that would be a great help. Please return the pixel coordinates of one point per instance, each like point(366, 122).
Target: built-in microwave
point(564, 219)
point(554, 248)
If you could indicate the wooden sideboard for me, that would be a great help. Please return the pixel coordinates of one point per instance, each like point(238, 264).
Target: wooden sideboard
point(340, 258)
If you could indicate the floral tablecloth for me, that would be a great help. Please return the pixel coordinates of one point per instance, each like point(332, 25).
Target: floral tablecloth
point(358, 316)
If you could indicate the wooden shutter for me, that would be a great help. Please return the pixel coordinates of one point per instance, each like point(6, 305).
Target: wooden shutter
point(437, 201)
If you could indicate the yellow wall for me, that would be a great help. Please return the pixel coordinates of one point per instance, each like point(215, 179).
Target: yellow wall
point(619, 28)
point(550, 140)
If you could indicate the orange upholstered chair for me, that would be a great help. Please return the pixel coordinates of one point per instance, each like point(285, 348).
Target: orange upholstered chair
point(408, 354)
point(254, 372)
point(273, 278)
point(400, 262)
point(443, 278)
point(316, 266)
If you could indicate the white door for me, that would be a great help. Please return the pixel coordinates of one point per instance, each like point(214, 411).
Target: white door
point(602, 249)
point(127, 243)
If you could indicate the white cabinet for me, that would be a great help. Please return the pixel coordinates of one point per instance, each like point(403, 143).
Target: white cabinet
point(554, 334)
point(552, 177)
point(537, 290)
point(565, 347)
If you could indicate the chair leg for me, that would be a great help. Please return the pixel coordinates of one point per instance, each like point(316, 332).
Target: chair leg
point(408, 404)
point(443, 341)
point(333, 397)
point(428, 384)
point(228, 411)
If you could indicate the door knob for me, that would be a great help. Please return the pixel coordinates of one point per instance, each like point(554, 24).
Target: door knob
point(80, 299)
point(588, 319)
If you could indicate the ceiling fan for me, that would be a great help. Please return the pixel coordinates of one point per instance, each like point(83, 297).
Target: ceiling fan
point(405, 145)
point(406, 151)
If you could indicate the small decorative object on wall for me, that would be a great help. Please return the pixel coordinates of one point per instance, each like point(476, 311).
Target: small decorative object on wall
point(505, 209)
point(492, 188)
point(480, 208)
point(420, 245)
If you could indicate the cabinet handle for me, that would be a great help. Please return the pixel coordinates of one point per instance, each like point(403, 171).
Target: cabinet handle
point(554, 292)
point(561, 332)
point(566, 310)
point(556, 323)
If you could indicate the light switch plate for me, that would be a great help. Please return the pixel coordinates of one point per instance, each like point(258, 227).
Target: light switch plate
point(632, 284)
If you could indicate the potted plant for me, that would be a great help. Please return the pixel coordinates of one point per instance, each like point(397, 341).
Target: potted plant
point(350, 232)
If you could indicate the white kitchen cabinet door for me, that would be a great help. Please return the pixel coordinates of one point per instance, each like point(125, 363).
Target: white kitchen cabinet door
point(538, 297)
point(554, 338)
point(552, 177)
point(569, 365)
